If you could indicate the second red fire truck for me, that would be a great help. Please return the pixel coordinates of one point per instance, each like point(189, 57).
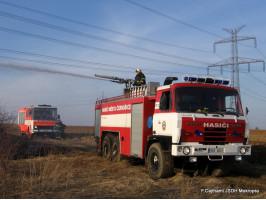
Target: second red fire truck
point(198, 119)
point(37, 120)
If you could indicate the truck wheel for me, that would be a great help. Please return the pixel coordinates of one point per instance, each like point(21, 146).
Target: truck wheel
point(29, 135)
point(106, 147)
point(160, 164)
point(21, 133)
point(115, 151)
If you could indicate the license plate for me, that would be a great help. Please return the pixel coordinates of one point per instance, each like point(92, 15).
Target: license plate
point(46, 131)
point(215, 150)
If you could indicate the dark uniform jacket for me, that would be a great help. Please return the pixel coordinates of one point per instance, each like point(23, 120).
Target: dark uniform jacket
point(60, 127)
point(140, 79)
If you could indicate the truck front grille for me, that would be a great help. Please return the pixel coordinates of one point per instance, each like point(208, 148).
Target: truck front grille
point(214, 136)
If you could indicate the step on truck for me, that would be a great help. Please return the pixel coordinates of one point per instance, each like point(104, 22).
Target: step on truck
point(198, 120)
point(37, 120)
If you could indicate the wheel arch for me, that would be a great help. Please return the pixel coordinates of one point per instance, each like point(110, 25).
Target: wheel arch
point(110, 134)
point(165, 142)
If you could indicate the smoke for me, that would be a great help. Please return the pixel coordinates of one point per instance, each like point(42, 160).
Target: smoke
point(37, 69)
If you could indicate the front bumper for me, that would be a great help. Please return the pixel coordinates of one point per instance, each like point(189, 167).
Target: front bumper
point(191, 149)
point(43, 131)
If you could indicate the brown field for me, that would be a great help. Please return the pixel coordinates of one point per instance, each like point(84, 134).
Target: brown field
point(72, 168)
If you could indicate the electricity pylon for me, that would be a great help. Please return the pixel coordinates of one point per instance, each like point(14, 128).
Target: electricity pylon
point(235, 61)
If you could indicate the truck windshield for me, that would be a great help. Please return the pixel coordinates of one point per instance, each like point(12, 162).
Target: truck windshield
point(207, 100)
point(45, 114)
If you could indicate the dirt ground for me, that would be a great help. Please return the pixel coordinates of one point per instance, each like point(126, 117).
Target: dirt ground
point(72, 168)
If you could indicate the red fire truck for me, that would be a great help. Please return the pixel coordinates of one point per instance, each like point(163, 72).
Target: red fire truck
point(39, 120)
point(200, 119)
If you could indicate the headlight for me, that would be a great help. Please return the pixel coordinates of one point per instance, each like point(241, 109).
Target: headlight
point(35, 127)
point(186, 150)
point(242, 150)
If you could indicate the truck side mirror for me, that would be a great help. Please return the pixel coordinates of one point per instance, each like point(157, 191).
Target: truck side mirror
point(247, 111)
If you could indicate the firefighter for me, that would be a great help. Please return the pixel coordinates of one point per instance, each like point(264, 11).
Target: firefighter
point(140, 78)
point(59, 129)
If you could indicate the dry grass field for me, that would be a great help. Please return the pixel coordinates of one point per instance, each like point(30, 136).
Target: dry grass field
point(72, 168)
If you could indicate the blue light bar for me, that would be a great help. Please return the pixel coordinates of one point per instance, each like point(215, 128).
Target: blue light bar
point(209, 80)
point(187, 78)
point(222, 82)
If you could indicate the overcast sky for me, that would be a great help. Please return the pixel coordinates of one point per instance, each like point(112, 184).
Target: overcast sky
point(63, 39)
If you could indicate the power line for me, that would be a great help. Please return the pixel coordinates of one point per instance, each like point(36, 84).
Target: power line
point(221, 14)
point(162, 5)
point(82, 34)
point(99, 28)
point(252, 91)
point(91, 47)
point(263, 100)
point(256, 78)
point(151, 71)
point(260, 52)
point(216, 12)
point(213, 10)
point(171, 18)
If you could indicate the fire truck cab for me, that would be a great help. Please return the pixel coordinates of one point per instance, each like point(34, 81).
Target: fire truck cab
point(199, 119)
point(39, 120)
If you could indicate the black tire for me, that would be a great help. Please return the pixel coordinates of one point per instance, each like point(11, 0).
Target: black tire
point(160, 164)
point(115, 151)
point(22, 134)
point(29, 135)
point(106, 148)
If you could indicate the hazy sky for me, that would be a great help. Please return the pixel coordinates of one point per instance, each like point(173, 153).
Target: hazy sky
point(68, 41)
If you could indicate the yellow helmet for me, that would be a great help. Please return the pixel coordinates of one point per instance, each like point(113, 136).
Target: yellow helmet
point(138, 70)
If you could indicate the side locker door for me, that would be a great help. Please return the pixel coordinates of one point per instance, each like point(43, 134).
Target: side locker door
point(97, 124)
point(136, 130)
